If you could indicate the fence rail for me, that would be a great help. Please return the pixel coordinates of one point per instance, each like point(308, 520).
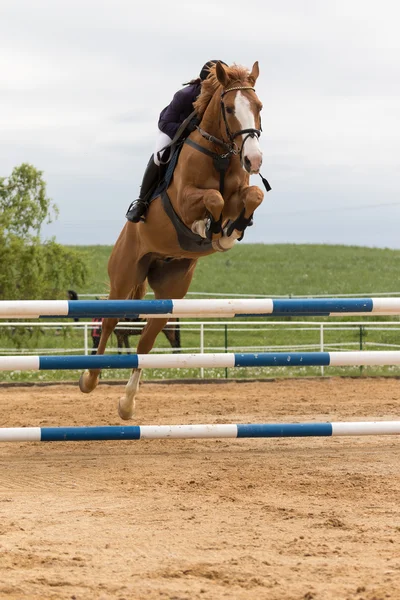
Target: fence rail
point(205, 329)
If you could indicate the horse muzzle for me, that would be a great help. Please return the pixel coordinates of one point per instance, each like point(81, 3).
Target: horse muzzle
point(252, 163)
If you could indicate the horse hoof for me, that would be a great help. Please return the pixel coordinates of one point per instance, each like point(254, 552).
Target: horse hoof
point(124, 412)
point(87, 383)
point(219, 247)
point(199, 227)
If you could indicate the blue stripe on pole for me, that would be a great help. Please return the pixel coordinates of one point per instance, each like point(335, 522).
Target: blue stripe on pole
point(104, 361)
point(79, 434)
point(131, 361)
point(321, 307)
point(272, 430)
point(282, 359)
point(118, 308)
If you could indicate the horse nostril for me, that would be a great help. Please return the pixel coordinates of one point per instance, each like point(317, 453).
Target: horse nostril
point(247, 162)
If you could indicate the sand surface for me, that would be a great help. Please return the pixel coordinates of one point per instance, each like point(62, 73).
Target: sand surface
point(311, 518)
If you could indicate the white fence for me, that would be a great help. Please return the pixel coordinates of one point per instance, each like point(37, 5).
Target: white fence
point(205, 328)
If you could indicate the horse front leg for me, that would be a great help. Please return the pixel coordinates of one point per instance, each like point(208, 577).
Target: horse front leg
point(211, 226)
point(90, 378)
point(250, 198)
point(126, 404)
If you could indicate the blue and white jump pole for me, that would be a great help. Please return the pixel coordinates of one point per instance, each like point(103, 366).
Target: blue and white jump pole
point(211, 360)
point(324, 307)
point(156, 432)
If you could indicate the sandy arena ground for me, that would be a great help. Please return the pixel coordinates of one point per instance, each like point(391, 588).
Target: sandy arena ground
point(311, 518)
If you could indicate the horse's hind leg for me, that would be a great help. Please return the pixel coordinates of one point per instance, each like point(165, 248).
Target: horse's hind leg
point(171, 332)
point(90, 378)
point(168, 280)
point(150, 331)
point(126, 273)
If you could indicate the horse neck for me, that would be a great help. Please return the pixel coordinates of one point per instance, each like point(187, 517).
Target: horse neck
point(213, 123)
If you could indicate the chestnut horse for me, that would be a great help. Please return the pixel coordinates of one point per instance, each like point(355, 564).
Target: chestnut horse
point(206, 208)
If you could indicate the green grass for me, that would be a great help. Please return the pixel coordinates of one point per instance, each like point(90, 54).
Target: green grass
point(279, 269)
point(251, 269)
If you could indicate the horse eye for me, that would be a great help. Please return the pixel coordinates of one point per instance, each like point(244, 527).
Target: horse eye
point(229, 110)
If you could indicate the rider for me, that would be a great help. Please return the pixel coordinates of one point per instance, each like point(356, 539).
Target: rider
point(171, 117)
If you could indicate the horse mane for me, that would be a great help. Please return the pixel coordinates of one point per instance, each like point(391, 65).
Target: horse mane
point(237, 74)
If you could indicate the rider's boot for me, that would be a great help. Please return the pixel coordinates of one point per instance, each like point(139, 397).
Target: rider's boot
point(138, 207)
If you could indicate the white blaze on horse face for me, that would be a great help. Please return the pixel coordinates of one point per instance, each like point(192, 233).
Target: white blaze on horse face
point(252, 155)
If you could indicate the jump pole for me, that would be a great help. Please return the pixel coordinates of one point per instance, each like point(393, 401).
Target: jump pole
point(157, 432)
point(207, 360)
point(324, 307)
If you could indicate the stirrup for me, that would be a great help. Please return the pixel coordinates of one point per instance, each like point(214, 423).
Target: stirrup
point(136, 211)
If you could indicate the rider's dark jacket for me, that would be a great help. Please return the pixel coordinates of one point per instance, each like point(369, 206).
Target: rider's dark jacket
point(180, 107)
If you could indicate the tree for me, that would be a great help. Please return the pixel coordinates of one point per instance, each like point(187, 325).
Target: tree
point(29, 268)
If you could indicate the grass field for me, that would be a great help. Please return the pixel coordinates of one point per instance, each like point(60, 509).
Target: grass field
point(279, 269)
point(250, 269)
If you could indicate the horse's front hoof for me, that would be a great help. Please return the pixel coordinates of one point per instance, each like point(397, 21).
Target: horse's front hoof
point(222, 244)
point(125, 412)
point(87, 382)
point(199, 227)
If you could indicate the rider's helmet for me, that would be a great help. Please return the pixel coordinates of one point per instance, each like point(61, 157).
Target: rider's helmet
point(205, 71)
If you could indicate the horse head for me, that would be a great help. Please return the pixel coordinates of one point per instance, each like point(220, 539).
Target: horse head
point(239, 122)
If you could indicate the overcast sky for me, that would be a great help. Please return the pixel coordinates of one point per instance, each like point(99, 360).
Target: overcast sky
point(82, 83)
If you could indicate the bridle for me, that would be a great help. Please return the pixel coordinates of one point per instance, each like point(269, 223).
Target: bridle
point(251, 133)
point(221, 162)
point(231, 147)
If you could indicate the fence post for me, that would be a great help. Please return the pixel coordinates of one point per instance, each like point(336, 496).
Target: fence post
point(321, 343)
point(202, 347)
point(85, 340)
point(361, 344)
point(226, 349)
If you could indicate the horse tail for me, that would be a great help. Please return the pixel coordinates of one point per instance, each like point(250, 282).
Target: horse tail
point(138, 292)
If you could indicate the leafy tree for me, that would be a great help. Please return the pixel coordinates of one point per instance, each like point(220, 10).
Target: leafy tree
point(30, 268)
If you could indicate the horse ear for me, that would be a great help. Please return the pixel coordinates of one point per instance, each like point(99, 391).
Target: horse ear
point(254, 72)
point(222, 75)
